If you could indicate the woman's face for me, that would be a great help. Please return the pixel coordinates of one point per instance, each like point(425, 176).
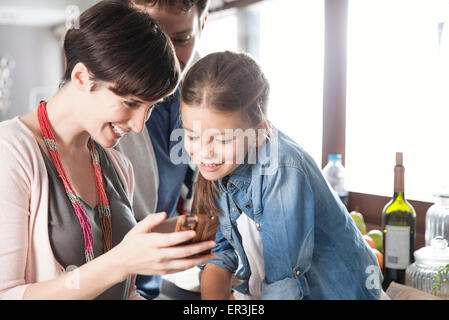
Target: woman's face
point(217, 142)
point(112, 116)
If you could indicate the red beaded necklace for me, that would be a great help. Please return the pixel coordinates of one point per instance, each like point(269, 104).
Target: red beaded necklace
point(102, 201)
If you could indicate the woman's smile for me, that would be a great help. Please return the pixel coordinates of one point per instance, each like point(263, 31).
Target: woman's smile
point(118, 131)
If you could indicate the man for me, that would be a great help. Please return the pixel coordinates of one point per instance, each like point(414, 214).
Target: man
point(168, 186)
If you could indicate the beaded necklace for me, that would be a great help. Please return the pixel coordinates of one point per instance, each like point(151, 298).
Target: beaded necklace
point(102, 207)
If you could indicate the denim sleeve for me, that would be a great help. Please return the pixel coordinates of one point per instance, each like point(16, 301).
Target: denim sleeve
point(225, 255)
point(287, 229)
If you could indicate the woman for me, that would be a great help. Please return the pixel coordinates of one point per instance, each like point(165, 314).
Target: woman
point(66, 227)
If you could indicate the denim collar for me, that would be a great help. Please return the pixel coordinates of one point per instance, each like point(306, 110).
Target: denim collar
point(240, 178)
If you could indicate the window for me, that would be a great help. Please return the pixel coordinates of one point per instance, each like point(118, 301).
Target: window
point(289, 45)
point(292, 55)
point(397, 95)
point(219, 34)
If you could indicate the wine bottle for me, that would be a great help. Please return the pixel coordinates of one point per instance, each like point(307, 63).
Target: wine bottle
point(398, 225)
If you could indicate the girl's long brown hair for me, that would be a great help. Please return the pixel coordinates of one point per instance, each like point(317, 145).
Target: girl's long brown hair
point(226, 82)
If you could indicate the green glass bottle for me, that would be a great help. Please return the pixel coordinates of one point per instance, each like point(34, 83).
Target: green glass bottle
point(398, 225)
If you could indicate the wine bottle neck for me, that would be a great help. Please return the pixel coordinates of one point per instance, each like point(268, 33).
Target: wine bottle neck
point(398, 196)
point(399, 179)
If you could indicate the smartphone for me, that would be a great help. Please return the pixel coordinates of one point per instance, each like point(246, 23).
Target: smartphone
point(205, 226)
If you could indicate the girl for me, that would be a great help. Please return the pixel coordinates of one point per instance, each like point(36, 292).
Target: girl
point(67, 230)
point(282, 230)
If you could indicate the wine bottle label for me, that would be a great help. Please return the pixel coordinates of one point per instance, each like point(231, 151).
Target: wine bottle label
point(397, 247)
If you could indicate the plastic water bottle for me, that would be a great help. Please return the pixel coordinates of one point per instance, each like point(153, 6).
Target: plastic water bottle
point(334, 173)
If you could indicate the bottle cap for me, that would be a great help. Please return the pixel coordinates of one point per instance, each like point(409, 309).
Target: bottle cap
point(334, 157)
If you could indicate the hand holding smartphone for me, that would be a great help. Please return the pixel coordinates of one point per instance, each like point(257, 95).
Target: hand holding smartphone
point(204, 225)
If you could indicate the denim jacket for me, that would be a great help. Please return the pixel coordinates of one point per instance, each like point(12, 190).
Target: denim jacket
point(312, 249)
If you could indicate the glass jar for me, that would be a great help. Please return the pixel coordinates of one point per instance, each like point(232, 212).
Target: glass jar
point(437, 218)
point(426, 273)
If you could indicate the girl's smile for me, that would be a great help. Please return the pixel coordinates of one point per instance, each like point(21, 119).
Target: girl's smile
point(210, 167)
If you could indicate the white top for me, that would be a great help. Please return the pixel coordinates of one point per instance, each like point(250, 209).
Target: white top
point(137, 147)
point(252, 244)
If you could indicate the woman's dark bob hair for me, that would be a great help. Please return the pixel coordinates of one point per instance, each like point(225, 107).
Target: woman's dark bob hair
point(123, 47)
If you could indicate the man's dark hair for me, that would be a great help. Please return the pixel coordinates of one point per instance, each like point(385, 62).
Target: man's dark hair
point(176, 5)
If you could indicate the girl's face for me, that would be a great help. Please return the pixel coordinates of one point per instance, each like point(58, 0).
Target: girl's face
point(112, 116)
point(217, 142)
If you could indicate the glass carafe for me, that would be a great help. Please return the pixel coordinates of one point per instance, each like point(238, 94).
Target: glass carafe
point(437, 218)
point(429, 271)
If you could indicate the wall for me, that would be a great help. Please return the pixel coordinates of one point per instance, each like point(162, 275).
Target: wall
point(38, 64)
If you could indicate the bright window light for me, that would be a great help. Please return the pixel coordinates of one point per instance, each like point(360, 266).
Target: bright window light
point(397, 95)
point(291, 53)
point(219, 34)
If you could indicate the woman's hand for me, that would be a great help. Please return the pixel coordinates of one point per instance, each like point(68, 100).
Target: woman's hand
point(140, 252)
point(147, 253)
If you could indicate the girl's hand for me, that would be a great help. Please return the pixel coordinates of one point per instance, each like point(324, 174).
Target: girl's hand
point(146, 253)
point(216, 283)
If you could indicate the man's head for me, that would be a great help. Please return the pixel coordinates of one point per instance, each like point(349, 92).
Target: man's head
point(182, 21)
